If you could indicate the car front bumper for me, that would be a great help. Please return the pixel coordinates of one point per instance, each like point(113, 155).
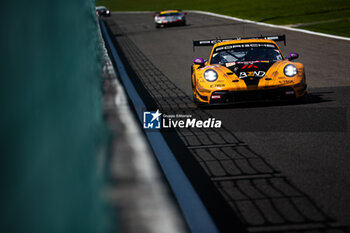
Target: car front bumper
point(261, 95)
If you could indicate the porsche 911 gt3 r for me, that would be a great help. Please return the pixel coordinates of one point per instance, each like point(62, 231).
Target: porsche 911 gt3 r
point(169, 17)
point(246, 69)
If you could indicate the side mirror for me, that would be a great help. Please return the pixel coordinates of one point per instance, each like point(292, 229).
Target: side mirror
point(292, 56)
point(199, 61)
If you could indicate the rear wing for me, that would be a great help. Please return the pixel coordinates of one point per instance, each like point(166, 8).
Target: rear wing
point(212, 42)
point(158, 12)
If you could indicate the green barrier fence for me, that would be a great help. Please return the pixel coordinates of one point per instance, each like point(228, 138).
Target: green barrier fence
point(51, 118)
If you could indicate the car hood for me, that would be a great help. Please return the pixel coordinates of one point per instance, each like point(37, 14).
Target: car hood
point(251, 72)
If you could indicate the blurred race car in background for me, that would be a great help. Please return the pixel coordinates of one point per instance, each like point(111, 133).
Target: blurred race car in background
point(246, 69)
point(169, 17)
point(102, 11)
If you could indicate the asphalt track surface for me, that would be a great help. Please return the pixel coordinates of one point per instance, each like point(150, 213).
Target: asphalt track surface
point(273, 167)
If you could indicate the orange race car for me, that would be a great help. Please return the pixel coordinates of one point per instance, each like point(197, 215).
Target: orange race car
point(246, 69)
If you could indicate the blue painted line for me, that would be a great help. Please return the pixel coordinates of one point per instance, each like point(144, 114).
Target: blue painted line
point(193, 209)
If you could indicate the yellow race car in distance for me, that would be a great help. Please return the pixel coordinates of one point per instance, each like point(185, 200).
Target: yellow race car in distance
point(245, 70)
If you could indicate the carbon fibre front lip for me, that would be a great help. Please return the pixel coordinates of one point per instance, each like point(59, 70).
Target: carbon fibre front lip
point(277, 94)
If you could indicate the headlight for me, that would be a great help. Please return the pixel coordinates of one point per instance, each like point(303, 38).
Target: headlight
point(290, 70)
point(210, 75)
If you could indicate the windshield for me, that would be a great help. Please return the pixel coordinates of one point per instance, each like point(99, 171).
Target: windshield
point(245, 52)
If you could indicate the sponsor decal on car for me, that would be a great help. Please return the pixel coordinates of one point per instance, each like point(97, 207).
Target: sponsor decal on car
point(258, 74)
point(218, 85)
point(229, 64)
point(246, 45)
point(286, 81)
point(249, 66)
